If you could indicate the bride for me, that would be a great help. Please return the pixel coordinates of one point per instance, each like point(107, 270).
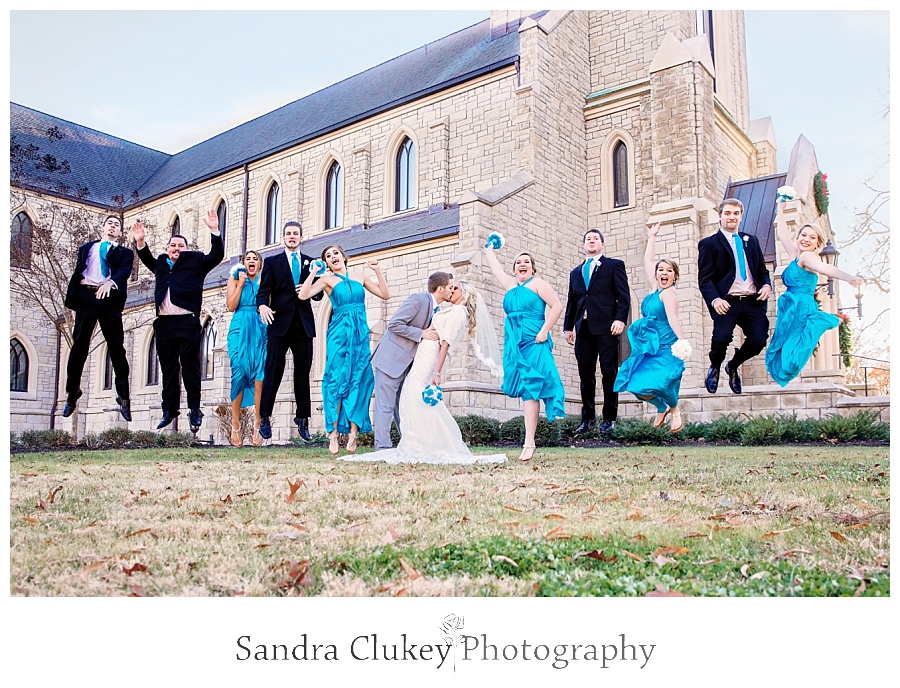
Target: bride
point(429, 434)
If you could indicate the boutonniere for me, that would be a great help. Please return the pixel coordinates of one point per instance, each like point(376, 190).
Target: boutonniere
point(305, 262)
point(746, 239)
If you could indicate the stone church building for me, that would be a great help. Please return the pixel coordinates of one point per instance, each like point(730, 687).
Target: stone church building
point(537, 124)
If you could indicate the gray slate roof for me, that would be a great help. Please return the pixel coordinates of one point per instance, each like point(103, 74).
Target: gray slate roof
point(758, 219)
point(103, 164)
point(108, 166)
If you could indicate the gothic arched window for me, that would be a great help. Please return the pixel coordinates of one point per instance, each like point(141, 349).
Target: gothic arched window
point(620, 175)
point(152, 363)
point(207, 344)
point(222, 214)
point(18, 366)
point(333, 196)
point(273, 209)
point(20, 241)
point(405, 190)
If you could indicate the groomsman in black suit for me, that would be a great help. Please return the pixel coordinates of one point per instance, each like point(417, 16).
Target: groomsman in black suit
point(596, 311)
point(179, 292)
point(97, 294)
point(735, 284)
point(291, 325)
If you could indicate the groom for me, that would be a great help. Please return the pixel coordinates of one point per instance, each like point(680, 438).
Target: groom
point(394, 354)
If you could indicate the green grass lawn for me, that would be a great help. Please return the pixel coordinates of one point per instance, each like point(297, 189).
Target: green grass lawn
point(706, 521)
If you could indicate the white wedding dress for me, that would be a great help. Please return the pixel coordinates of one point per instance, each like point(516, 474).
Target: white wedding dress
point(429, 434)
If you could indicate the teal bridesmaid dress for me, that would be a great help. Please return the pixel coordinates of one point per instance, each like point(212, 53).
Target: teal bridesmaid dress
point(798, 326)
point(348, 382)
point(246, 344)
point(651, 370)
point(529, 371)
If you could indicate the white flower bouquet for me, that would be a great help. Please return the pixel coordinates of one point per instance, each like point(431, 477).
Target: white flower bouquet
point(494, 240)
point(785, 193)
point(682, 349)
point(432, 394)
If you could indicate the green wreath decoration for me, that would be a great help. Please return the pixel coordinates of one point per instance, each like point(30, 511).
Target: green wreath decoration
point(845, 337)
point(820, 189)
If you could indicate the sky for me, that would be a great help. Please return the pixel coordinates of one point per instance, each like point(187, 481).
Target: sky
point(168, 80)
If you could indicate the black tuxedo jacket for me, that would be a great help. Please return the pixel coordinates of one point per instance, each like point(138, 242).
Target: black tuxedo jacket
point(606, 297)
point(278, 292)
point(184, 280)
point(120, 260)
point(717, 269)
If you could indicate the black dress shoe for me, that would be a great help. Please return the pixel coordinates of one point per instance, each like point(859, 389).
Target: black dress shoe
point(302, 427)
point(734, 378)
point(124, 408)
point(69, 408)
point(712, 379)
point(196, 418)
point(607, 427)
point(166, 419)
point(265, 427)
point(585, 426)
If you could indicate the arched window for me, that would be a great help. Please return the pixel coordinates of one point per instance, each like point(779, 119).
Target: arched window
point(620, 175)
point(108, 372)
point(404, 195)
point(207, 344)
point(20, 241)
point(333, 196)
point(222, 214)
point(273, 210)
point(152, 363)
point(18, 366)
point(176, 226)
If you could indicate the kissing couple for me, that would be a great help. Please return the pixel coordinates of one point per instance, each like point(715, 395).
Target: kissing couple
point(408, 363)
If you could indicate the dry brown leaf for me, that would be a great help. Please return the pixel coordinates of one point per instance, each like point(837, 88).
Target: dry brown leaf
point(557, 516)
point(864, 524)
point(635, 515)
point(694, 535)
point(500, 557)
point(711, 561)
point(139, 568)
point(662, 561)
point(666, 551)
point(226, 500)
point(632, 555)
point(186, 495)
point(138, 532)
point(51, 495)
point(411, 573)
point(509, 524)
point(512, 508)
point(137, 591)
point(299, 526)
point(837, 536)
point(861, 589)
point(30, 519)
point(298, 576)
point(777, 532)
point(611, 498)
point(791, 553)
point(42, 504)
point(596, 554)
point(262, 544)
point(294, 487)
point(91, 567)
point(372, 502)
point(638, 538)
point(30, 475)
point(390, 536)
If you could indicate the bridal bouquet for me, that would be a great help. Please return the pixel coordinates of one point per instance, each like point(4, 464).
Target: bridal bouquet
point(432, 394)
point(785, 193)
point(317, 267)
point(494, 240)
point(682, 349)
point(237, 269)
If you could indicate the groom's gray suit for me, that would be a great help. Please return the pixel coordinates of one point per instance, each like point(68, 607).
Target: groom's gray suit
point(393, 358)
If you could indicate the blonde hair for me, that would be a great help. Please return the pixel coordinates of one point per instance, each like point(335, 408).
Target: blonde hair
point(470, 303)
point(530, 257)
point(820, 239)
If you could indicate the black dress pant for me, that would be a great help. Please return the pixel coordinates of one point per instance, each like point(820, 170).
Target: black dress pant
point(178, 350)
point(301, 346)
point(749, 314)
point(95, 311)
point(590, 347)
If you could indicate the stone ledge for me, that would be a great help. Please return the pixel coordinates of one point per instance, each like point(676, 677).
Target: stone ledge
point(499, 192)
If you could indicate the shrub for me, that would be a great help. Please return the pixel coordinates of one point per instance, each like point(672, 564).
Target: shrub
point(693, 431)
point(45, 439)
point(91, 440)
point(762, 430)
point(837, 428)
point(724, 429)
point(478, 430)
point(545, 435)
point(116, 437)
point(144, 439)
point(175, 439)
point(634, 431)
point(13, 439)
point(796, 430)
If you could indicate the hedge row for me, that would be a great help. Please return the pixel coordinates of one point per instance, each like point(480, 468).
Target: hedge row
point(480, 431)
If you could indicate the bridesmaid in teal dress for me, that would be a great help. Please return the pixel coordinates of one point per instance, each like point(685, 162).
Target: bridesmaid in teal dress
point(529, 371)
point(800, 323)
point(246, 344)
point(348, 381)
point(653, 372)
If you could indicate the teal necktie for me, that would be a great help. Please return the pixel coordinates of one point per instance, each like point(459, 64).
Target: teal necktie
point(739, 247)
point(295, 268)
point(171, 263)
point(586, 271)
point(104, 263)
